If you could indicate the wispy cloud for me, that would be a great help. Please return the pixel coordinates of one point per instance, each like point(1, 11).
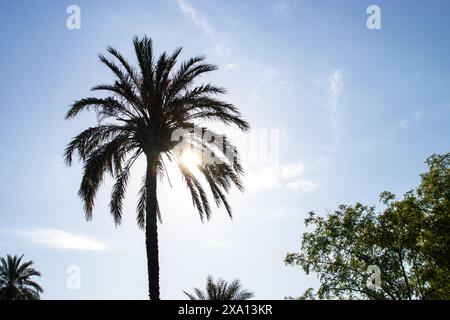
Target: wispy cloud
point(303, 185)
point(336, 87)
point(190, 12)
point(231, 66)
point(278, 176)
point(285, 6)
point(59, 239)
point(270, 79)
point(403, 123)
point(219, 44)
point(414, 118)
point(291, 171)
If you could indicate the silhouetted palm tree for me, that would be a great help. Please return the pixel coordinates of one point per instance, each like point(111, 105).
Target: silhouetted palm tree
point(145, 108)
point(15, 279)
point(221, 290)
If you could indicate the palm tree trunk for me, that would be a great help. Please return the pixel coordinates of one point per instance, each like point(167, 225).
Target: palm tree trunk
point(151, 229)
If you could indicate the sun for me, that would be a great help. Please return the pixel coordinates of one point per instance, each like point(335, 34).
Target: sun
point(190, 159)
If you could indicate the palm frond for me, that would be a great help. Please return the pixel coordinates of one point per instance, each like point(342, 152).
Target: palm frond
point(180, 78)
point(221, 290)
point(198, 195)
point(15, 279)
point(119, 188)
point(105, 107)
point(143, 107)
point(128, 67)
point(88, 140)
point(144, 52)
point(98, 162)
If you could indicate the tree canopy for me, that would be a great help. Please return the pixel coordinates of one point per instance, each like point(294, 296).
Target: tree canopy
point(16, 281)
point(155, 110)
point(408, 242)
point(221, 290)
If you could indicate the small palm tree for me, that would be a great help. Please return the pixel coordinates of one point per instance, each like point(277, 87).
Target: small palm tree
point(221, 290)
point(145, 108)
point(15, 279)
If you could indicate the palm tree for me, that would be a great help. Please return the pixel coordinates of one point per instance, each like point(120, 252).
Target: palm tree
point(143, 113)
point(15, 279)
point(221, 290)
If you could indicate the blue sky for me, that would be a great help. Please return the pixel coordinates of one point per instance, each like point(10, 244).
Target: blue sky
point(357, 112)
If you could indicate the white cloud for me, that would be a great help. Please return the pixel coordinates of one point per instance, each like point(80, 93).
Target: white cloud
point(418, 115)
point(334, 85)
point(190, 12)
point(285, 6)
point(220, 45)
point(292, 170)
point(403, 123)
point(303, 185)
point(414, 118)
point(269, 79)
point(64, 240)
point(220, 48)
point(231, 66)
point(336, 82)
point(262, 178)
point(275, 177)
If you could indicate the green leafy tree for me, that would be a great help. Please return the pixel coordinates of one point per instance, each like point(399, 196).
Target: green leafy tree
point(144, 109)
point(16, 281)
point(409, 241)
point(221, 290)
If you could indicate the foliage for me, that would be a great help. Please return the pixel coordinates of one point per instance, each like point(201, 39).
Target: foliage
point(146, 111)
point(16, 279)
point(221, 290)
point(144, 108)
point(409, 240)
